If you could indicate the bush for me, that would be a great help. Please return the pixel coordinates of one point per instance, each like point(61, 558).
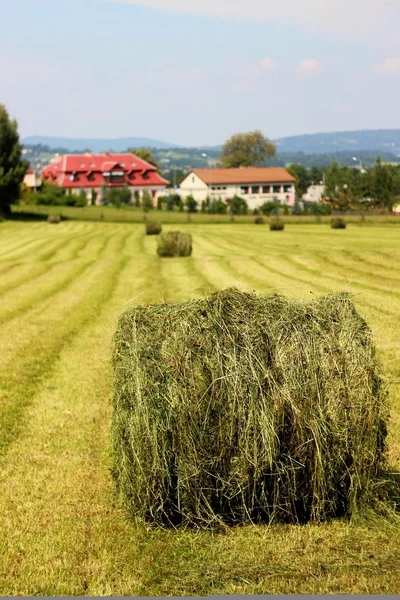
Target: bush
point(243, 408)
point(259, 221)
point(338, 223)
point(174, 243)
point(153, 228)
point(277, 224)
point(55, 219)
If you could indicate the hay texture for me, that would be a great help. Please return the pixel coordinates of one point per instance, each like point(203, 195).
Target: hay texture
point(277, 224)
point(338, 223)
point(259, 221)
point(240, 408)
point(153, 228)
point(174, 243)
point(54, 219)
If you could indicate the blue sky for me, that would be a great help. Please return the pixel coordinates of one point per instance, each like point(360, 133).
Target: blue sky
point(195, 71)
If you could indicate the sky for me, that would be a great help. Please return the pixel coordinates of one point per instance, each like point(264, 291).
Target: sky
point(193, 72)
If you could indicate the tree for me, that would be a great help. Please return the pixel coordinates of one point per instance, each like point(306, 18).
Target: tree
point(238, 206)
point(147, 202)
point(145, 154)
point(302, 177)
point(247, 150)
point(384, 185)
point(191, 204)
point(12, 167)
point(270, 208)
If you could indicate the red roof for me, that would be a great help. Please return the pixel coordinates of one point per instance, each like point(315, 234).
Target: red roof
point(84, 170)
point(244, 175)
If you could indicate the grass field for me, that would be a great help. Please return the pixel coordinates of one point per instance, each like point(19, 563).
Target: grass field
point(62, 289)
point(131, 214)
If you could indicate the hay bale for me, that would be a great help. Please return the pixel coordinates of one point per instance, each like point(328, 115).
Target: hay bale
point(244, 408)
point(259, 221)
point(277, 224)
point(174, 243)
point(54, 219)
point(153, 228)
point(338, 223)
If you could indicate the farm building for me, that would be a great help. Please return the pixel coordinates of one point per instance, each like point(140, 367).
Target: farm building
point(255, 184)
point(31, 180)
point(92, 172)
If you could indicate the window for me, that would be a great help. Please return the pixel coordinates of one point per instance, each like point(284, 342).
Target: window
point(277, 189)
point(255, 189)
point(244, 190)
point(193, 179)
point(287, 189)
point(266, 189)
point(90, 177)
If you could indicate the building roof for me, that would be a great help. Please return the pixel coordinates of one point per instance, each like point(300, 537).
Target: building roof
point(86, 170)
point(244, 175)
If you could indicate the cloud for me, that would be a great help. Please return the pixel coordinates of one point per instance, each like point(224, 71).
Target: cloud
point(374, 21)
point(268, 63)
point(388, 66)
point(310, 65)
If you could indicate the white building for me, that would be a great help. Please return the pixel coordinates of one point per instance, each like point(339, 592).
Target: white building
point(314, 193)
point(255, 184)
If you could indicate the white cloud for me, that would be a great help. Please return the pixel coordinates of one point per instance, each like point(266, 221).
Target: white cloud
point(375, 21)
point(268, 63)
point(309, 65)
point(388, 66)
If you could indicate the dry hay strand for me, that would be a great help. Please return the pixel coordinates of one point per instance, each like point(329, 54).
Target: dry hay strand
point(174, 243)
point(54, 219)
point(338, 223)
point(238, 408)
point(277, 224)
point(259, 221)
point(153, 228)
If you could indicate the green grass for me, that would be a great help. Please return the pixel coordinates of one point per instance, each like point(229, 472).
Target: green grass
point(131, 214)
point(62, 289)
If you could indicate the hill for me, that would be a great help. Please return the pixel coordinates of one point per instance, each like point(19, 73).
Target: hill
point(381, 140)
point(94, 144)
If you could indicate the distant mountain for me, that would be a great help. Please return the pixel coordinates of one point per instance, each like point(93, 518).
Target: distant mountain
point(95, 144)
point(381, 140)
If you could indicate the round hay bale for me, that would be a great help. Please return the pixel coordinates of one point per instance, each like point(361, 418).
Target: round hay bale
point(174, 243)
point(153, 228)
point(277, 224)
point(259, 221)
point(338, 223)
point(240, 408)
point(54, 219)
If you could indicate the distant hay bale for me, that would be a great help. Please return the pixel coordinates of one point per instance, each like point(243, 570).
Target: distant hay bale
point(55, 219)
point(153, 228)
point(240, 408)
point(174, 243)
point(338, 223)
point(277, 224)
point(259, 221)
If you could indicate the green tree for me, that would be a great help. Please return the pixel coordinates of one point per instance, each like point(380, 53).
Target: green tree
point(247, 150)
point(302, 176)
point(12, 167)
point(145, 154)
point(147, 202)
point(384, 184)
point(238, 206)
point(191, 204)
point(270, 208)
point(218, 207)
point(297, 208)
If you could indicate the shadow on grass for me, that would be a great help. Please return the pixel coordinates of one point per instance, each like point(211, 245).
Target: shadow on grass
point(30, 216)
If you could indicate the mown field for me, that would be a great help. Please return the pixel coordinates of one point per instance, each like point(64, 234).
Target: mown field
point(62, 289)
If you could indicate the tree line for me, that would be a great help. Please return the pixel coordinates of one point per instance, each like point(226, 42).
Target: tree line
point(345, 188)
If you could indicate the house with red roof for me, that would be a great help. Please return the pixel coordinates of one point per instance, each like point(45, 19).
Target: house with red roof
point(92, 173)
point(255, 184)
